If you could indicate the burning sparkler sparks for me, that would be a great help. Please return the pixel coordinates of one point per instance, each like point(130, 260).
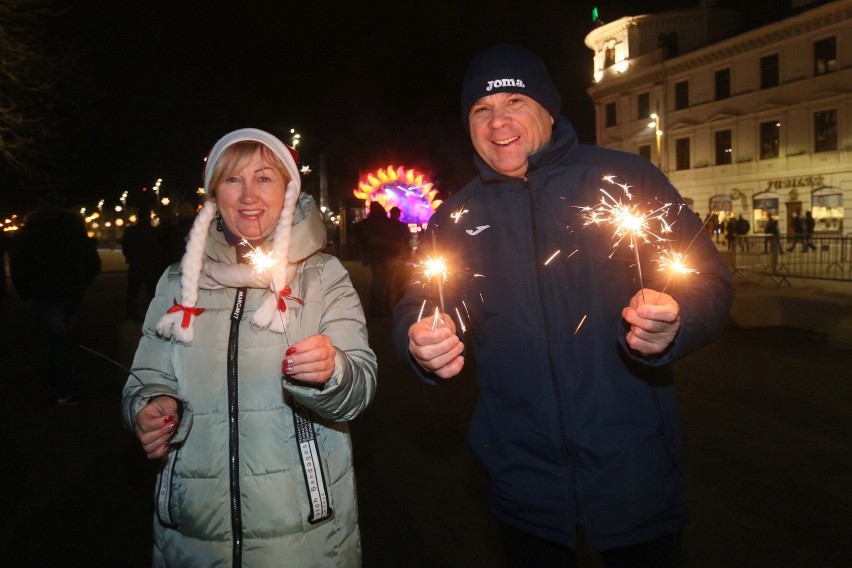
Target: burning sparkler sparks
point(260, 260)
point(435, 268)
point(675, 264)
point(628, 221)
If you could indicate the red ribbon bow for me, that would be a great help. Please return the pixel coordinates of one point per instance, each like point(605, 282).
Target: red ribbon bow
point(188, 312)
point(285, 295)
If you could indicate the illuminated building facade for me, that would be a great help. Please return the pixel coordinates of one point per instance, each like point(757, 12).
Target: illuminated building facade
point(752, 122)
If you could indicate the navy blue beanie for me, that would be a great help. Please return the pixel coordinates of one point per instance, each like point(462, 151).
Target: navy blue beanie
point(505, 68)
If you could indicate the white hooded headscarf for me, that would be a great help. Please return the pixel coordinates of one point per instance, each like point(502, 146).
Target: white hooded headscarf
point(272, 314)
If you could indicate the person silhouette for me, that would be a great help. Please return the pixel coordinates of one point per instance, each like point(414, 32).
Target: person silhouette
point(140, 248)
point(52, 262)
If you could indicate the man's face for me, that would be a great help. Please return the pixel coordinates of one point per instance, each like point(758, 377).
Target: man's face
point(507, 128)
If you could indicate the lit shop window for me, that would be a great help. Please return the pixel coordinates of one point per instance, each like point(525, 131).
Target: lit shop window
point(765, 204)
point(827, 209)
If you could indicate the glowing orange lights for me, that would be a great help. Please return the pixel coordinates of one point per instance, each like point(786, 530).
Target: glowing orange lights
point(407, 189)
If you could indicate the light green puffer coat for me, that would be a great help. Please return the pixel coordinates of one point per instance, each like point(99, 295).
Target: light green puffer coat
point(273, 499)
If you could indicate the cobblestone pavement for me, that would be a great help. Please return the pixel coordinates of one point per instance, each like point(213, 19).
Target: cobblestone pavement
point(767, 420)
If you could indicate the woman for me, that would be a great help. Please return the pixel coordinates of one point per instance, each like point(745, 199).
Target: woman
point(245, 377)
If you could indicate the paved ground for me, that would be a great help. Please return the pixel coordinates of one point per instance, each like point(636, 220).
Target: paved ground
point(767, 416)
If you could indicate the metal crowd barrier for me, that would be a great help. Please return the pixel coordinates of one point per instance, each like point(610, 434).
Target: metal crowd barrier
point(823, 258)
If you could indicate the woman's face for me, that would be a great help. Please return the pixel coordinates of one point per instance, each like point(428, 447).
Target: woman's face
point(251, 200)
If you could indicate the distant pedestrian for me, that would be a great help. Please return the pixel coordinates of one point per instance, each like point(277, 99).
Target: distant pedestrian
point(810, 225)
point(401, 237)
point(772, 242)
point(375, 233)
point(140, 248)
point(731, 233)
point(52, 262)
point(742, 228)
point(798, 230)
point(172, 233)
point(717, 228)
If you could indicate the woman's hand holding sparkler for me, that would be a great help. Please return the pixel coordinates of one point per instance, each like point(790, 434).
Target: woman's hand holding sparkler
point(437, 349)
point(156, 423)
point(310, 360)
point(653, 327)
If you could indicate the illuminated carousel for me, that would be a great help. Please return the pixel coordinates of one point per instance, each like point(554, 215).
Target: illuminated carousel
point(407, 189)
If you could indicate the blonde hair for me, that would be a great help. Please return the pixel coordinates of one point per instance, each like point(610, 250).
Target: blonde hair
point(237, 156)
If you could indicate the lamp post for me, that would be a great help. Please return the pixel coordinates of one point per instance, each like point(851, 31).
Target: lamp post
point(655, 124)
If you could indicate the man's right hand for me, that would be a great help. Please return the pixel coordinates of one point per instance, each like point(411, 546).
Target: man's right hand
point(439, 350)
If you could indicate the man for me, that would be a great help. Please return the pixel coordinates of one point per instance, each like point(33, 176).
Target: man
point(576, 422)
point(375, 233)
point(810, 225)
point(742, 229)
point(140, 248)
point(798, 231)
point(53, 261)
point(772, 242)
point(401, 272)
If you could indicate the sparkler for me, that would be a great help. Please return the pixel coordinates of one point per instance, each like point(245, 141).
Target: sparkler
point(628, 221)
point(436, 268)
point(262, 261)
point(675, 264)
point(123, 368)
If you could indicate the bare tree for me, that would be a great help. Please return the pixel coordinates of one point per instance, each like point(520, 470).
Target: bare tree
point(29, 80)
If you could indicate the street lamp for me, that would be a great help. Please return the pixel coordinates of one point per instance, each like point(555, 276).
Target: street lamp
point(655, 124)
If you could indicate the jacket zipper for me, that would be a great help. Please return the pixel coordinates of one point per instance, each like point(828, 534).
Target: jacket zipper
point(559, 394)
point(234, 429)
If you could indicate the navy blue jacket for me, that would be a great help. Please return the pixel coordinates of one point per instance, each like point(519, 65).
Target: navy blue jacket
point(571, 426)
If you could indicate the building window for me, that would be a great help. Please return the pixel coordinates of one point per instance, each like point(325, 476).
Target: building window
point(827, 209)
point(825, 56)
point(611, 116)
point(769, 71)
point(643, 105)
point(645, 151)
point(724, 150)
point(770, 139)
point(609, 57)
point(723, 84)
point(681, 95)
point(682, 154)
point(825, 131)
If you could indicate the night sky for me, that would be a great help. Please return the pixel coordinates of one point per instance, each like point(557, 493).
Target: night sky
point(154, 84)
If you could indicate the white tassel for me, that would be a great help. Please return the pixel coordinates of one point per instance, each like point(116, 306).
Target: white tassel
point(170, 324)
